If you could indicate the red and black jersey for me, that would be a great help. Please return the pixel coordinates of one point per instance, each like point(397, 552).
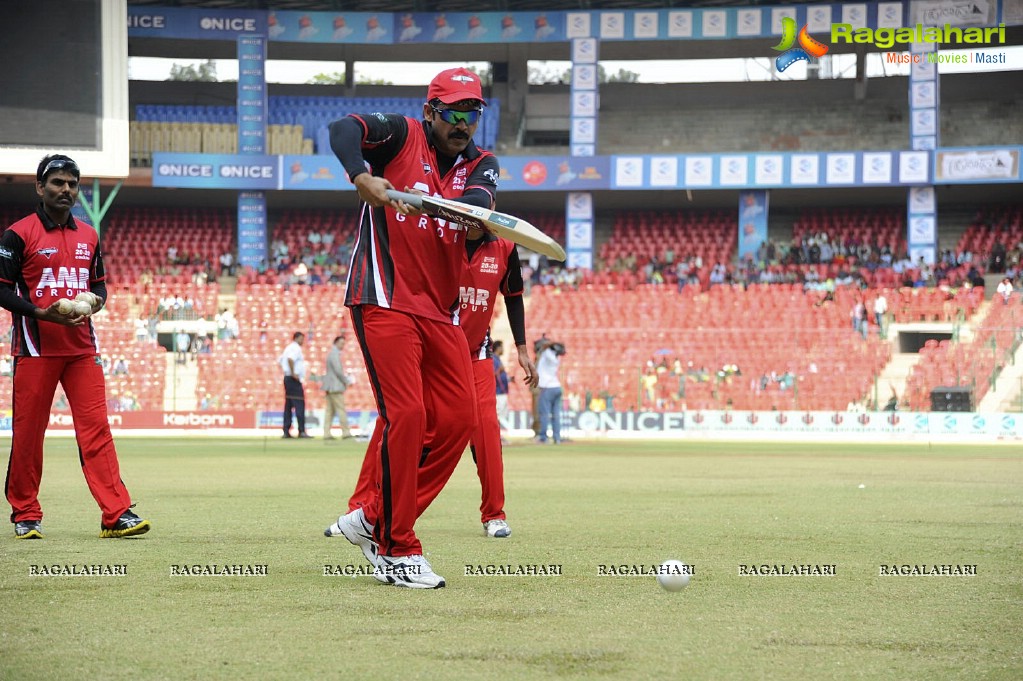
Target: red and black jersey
point(413, 264)
point(44, 262)
point(493, 267)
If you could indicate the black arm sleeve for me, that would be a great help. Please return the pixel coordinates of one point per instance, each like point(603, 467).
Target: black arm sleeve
point(376, 138)
point(346, 143)
point(12, 301)
point(516, 318)
point(98, 284)
point(481, 185)
point(513, 300)
point(11, 249)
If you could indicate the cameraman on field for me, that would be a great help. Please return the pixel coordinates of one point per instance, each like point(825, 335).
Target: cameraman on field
point(548, 363)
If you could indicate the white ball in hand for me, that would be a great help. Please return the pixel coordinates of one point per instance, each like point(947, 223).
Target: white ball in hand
point(88, 296)
point(82, 308)
point(65, 306)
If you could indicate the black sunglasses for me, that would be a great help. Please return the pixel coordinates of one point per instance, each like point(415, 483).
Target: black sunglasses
point(59, 164)
point(453, 117)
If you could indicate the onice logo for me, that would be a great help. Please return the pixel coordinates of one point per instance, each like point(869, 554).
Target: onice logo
point(808, 47)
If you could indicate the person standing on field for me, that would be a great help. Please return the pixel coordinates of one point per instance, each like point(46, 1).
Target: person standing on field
point(293, 364)
point(548, 364)
point(46, 257)
point(402, 289)
point(335, 382)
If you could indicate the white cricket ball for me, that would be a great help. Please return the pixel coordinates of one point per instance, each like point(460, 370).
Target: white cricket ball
point(65, 306)
point(82, 308)
point(673, 575)
point(88, 296)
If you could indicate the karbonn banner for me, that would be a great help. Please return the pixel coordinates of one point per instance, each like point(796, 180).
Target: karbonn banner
point(164, 419)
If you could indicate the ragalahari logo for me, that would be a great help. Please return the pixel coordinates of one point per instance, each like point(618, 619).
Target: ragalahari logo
point(808, 47)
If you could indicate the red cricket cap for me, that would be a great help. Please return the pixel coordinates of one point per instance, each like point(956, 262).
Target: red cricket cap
point(454, 85)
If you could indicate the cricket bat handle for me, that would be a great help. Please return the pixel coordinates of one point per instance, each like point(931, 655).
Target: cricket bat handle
point(414, 200)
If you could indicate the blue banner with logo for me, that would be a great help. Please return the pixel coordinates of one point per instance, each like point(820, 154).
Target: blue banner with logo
point(753, 170)
point(725, 23)
point(216, 171)
point(318, 173)
point(145, 21)
point(252, 229)
point(253, 113)
point(752, 222)
point(554, 173)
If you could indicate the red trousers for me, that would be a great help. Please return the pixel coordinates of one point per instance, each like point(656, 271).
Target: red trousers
point(416, 366)
point(436, 470)
point(35, 382)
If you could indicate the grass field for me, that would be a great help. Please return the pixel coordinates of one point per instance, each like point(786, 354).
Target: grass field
point(580, 506)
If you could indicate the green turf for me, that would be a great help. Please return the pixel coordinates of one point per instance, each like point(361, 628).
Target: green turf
point(579, 506)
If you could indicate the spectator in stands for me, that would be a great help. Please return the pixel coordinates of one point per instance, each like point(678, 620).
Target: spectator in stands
point(335, 382)
point(128, 402)
point(859, 318)
point(1005, 290)
point(292, 363)
point(413, 304)
point(120, 367)
point(997, 260)
point(227, 264)
point(880, 309)
point(893, 401)
point(649, 382)
point(6, 368)
point(141, 330)
point(50, 348)
point(182, 346)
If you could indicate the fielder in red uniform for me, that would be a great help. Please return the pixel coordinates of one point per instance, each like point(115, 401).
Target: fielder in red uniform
point(493, 266)
point(403, 293)
point(45, 257)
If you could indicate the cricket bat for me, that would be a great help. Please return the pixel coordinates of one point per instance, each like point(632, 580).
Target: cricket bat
point(503, 225)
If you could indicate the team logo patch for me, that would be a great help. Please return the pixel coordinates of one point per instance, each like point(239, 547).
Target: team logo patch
point(4, 253)
point(47, 252)
point(489, 265)
point(426, 167)
point(491, 175)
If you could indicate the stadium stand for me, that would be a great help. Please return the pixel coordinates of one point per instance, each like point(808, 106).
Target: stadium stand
point(766, 325)
point(613, 336)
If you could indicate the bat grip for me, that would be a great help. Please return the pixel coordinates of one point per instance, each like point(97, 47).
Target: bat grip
point(414, 200)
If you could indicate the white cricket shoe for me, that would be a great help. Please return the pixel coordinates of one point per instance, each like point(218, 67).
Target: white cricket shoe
point(497, 528)
point(354, 528)
point(412, 572)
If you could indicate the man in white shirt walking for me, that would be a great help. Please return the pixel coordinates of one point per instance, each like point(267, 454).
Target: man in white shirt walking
point(880, 308)
point(293, 364)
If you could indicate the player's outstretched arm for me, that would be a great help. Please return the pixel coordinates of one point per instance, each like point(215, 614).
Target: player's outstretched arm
point(530, 377)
